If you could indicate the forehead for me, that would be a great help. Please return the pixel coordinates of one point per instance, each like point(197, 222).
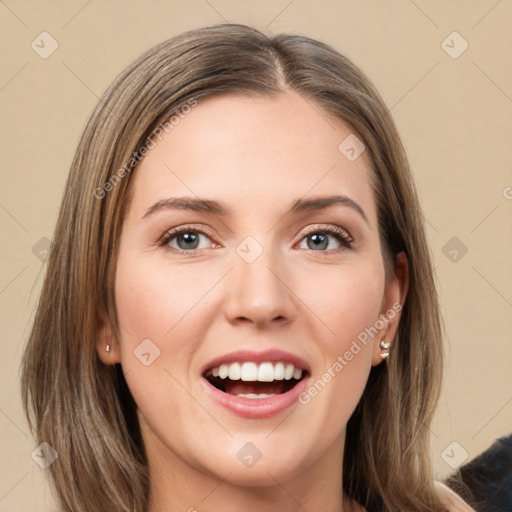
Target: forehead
point(253, 151)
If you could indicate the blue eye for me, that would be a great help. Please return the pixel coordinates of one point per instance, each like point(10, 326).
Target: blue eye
point(186, 239)
point(319, 240)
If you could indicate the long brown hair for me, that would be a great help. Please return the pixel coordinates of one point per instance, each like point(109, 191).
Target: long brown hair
point(83, 408)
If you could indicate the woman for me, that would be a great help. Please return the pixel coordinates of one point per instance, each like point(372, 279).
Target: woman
point(239, 250)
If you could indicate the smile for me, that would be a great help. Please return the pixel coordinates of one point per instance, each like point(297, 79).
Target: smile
point(256, 388)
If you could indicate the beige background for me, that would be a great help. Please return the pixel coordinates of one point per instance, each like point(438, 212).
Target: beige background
point(454, 114)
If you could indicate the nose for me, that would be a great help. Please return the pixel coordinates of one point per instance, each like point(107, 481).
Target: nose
point(259, 293)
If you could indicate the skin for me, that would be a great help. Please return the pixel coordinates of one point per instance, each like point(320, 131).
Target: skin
point(257, 155)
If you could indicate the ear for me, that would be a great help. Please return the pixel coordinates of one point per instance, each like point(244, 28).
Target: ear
point(106, 343)
point(395, 293)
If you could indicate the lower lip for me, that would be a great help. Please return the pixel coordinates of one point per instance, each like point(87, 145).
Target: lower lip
point(256, 408)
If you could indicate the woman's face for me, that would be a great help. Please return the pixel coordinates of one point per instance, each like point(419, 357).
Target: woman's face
point(268, 278)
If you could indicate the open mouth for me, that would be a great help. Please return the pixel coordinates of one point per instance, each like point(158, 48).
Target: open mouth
point(256, 381)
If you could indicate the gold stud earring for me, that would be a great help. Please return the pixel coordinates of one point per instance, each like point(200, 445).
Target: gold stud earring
point(384, 346)
point(107, 348)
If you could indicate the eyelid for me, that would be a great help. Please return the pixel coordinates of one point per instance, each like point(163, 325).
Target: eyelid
point(346, 239)
point(329, 228)
point(173, 232)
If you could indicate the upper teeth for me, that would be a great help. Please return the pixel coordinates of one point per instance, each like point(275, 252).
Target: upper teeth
point(264, 372)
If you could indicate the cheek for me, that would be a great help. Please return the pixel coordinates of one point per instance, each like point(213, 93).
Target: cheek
point(163, 316)
point(346, 299)
point(347, 304)
point(158, 302)
point(152, 316)
point(157, 335)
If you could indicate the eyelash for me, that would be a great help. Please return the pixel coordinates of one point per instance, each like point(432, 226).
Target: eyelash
point(340, 234)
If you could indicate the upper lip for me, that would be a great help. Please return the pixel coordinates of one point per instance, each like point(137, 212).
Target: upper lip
point(271, 356)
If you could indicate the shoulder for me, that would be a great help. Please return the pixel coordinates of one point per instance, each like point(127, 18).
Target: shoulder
point(453, 501)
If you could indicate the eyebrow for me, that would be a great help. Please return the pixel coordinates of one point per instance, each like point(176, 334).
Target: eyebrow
point(218, 208)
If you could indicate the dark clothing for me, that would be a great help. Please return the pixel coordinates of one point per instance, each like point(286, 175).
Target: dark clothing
point(486, 481)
